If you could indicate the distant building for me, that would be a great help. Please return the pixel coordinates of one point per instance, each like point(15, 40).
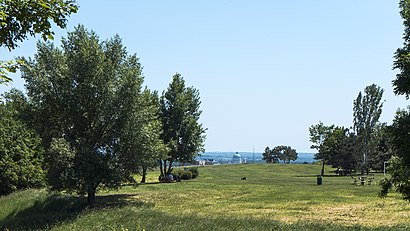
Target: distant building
point(236, 158)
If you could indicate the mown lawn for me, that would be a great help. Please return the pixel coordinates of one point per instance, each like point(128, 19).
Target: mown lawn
point(273, 197)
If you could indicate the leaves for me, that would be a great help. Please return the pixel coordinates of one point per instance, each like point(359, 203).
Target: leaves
point(180, 113)
point(21, 153)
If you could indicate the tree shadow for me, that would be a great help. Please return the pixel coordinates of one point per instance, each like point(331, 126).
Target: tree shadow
point(45, 214)
point(326, 175)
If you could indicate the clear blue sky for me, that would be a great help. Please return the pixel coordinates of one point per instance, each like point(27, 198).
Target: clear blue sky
point(266, 70)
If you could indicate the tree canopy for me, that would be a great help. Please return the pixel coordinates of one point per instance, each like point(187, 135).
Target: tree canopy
point(317, 135)
point(21, 152)
point(183, 134)
point(22, 18)
point(367, 109)
point(83, 97)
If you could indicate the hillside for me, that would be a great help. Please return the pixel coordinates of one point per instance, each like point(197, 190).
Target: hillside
point(272, 197)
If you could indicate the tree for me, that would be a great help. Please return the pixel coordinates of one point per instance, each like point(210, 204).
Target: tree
point(317, 135)
point(340, 149)
point(142, 134)
point(401, 85)
point(269, 156)
point(367, 109)
point(400, 129)
point(182, 132)
point(383, 147)
point(83, 97)
point(285, 153)
point(21, 153)
point(20, 18)
point(399, 168)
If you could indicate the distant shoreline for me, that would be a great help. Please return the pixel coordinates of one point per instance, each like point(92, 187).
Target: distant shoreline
point(249, 157)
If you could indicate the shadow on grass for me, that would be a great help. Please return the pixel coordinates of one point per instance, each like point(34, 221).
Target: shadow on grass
point(326, 175)
point(56, 209)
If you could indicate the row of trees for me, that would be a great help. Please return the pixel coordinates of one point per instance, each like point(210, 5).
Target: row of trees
point(280, 153)
point(92, 123)
point(370, 144)
point(363, 147)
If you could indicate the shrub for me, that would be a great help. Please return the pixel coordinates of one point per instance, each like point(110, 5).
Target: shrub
point(21, 155)
point(194, 172)
point(186, 175)
point(177, 173)
point(181, 174)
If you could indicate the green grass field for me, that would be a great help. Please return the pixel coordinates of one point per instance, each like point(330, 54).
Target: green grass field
point(274, 197)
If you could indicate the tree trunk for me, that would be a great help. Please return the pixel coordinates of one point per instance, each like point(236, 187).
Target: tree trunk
point(169, 167)
point(160, 168)
point(322, 173)
point(144, 174)
point(91, 195)
point(165, 168)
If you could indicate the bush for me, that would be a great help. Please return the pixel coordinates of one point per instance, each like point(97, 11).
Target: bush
point(194, 171)
point(186, 175)
point(191, 173)
point(21, 155)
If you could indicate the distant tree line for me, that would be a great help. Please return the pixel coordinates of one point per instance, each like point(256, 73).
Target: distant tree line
point(370, 144)
point(86, 122)
point(362, 147)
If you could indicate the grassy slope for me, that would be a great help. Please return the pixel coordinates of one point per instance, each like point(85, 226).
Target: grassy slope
point(273, 197)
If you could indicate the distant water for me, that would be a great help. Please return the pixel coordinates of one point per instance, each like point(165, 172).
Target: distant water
point(249, 157)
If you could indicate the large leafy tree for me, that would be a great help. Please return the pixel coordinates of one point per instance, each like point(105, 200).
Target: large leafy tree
point(84, 96)
point(399, 165)
point(183, 134)
point(401, 84)
point(400, 129)
point(21, 152)
point(382, 141)
point(142, 134)
point(367, 109)
point(285, 153)
point(317, 135)
point(340, 148)
point(22, 18)
point(269, 156)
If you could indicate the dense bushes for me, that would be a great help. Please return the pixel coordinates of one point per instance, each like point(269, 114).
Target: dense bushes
point(21, 154)
point(185, 174)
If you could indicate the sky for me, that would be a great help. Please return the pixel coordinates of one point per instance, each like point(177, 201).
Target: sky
point(266, 70)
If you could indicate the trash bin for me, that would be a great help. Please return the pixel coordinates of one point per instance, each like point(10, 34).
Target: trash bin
point(319, 180)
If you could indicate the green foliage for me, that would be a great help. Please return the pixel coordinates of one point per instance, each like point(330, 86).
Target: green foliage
point(6, 67)
point(21, 153)
point(60, 166)
point(284, 153)
point(194, 171)
point(399, 166)
point(382, 139)
point(89, 93)
point(182, 132)
point(317, 135)
point(141, 134)
point(340, 147)
point(280, 197)
point(400, 175)
point(19, 18)
point(190, 173)
point(367, 109)
point(401, 84)
point(269, 156)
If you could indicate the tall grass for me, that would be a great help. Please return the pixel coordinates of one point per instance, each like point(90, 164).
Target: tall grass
point(273, 197)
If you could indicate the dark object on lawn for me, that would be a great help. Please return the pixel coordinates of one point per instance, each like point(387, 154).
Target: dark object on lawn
point(243, 178)
point(319, 180)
